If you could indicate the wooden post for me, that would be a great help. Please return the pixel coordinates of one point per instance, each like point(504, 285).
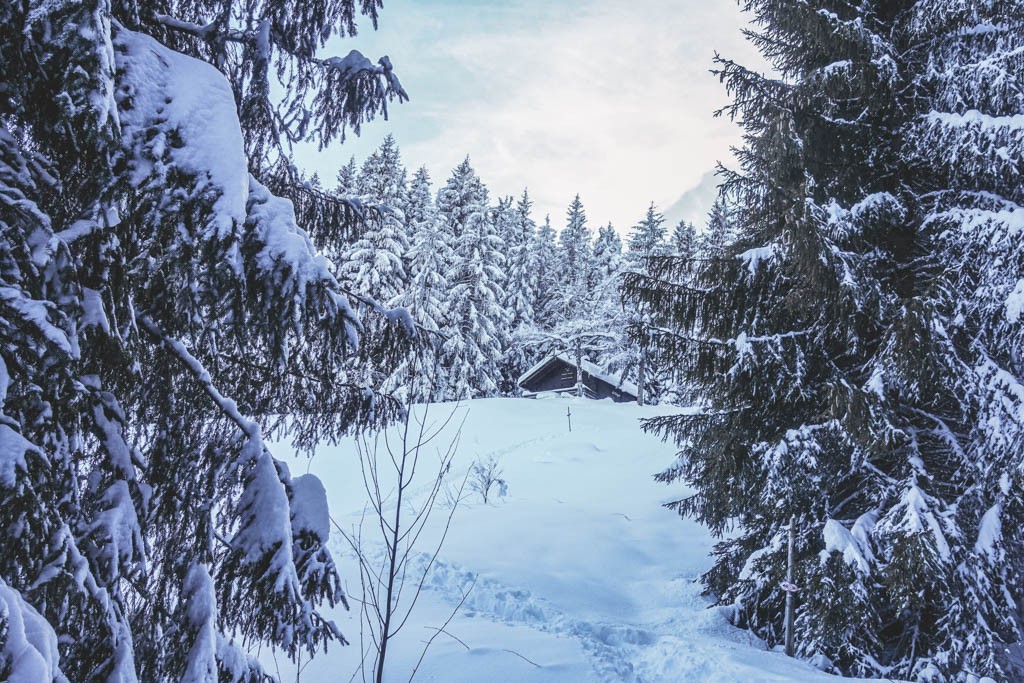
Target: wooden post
point(579, 369)
point(641, 374)
point(789, 590)
point(568, 416)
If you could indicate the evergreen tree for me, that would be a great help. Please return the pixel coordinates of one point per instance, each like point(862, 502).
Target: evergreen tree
point(606, 311)
point(147, 532)
point(577, 265)
point(347, 175)
point(845, 341)
point(961, 398)
point(673, 386)
point(381, 179)
point(647, 239)
point(549, 269)
point(684, 239)
point(720, 231)
point(431, 258)
point(478, 324)
point(575, 242)
point(374, 265)
point(646, 242)
point(504, 218)
point(520, 288)
point(607, 253)
point(419, 208)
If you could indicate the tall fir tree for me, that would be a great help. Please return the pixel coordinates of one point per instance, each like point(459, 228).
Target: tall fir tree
point(606, 311)
point(431, 258)
point(520, 288)
point(684, 239)
point(478, 323)
point(147, 275)
point(577, 267)
point(374, 264)
point(381, 178)
point(346, 180)
point(844, 343)
point(964, 149)
point(647, 240)
point(607, 253)
point(549, 270)
point(720, 230)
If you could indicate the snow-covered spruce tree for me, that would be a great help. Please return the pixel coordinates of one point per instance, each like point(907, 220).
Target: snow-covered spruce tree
point(373, 264)
point(576, 266)
point(147, 532)
point(607, 253)
point(382, 176)
point(346, 180)
point(575, 242)
point(683, 244)
point(478, 326)
point(520, 288)
point(430, 259)
point(855, 347)
point(965, 152)
point(545, 255)
point(683, 241)
point(636, 355)
point(720, 230)
point(648, 239)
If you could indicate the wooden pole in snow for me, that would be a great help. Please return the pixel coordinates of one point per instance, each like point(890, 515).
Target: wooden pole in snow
point(568, 416)
point(641, 374)
point(789, 588)
point(579, 369)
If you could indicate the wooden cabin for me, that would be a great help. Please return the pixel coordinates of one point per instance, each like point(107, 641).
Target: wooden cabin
point(557, 374)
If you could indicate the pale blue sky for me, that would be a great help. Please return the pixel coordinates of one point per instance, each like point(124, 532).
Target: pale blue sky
point(608, 98)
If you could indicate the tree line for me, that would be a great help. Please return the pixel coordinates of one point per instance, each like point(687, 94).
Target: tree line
point(494, 290)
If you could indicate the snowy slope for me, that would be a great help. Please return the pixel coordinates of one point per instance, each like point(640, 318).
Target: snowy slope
point(577, 569)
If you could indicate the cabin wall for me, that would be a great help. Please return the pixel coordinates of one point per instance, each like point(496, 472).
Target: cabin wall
point(559, 376)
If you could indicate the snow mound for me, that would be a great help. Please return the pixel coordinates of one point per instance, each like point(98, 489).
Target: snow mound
point(309, 507)
point(30, 645)
point(175, 96)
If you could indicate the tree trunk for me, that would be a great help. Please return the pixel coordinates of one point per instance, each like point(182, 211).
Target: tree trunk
point(789, 589)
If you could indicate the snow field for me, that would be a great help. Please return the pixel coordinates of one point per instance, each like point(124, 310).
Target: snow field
point(576, 575)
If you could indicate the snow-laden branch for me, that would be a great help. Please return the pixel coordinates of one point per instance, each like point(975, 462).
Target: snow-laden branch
point(201, 31)
point(226, 405)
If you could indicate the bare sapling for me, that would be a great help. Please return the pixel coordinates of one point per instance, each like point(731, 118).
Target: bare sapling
point(404, 476)
point(484, 476)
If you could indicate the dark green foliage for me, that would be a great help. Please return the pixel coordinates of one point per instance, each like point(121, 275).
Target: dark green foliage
point(141, 514)
point(843, 341)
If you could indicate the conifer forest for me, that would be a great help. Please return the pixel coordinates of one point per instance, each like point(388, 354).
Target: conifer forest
point(818, 414)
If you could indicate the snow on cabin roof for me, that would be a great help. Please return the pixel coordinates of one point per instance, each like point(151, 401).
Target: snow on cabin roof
point(592, 369)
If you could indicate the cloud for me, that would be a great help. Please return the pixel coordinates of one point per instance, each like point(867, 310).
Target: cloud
point(608, 98)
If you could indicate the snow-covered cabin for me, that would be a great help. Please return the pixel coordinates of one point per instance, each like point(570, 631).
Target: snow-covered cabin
point(557, 374)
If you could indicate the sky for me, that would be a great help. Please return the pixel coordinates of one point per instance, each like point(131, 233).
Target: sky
point(611, 99)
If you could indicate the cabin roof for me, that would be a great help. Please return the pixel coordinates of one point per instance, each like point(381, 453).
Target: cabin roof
point(589, 368)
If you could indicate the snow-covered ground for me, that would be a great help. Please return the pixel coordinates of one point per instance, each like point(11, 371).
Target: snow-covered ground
point(577, 573)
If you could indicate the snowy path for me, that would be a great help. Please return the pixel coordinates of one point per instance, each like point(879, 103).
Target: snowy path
point(577, 574)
